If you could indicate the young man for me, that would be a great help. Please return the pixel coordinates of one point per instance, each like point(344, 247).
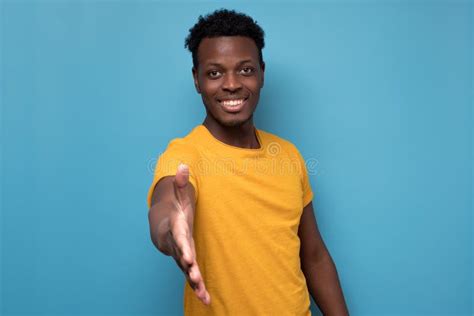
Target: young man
point(231, 203)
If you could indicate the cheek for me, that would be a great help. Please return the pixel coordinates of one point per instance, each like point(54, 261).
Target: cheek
point(209, 88)
point(254, 87)
point(253, 83)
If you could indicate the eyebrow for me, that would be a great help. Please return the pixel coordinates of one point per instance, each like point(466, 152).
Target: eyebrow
point(238, 64)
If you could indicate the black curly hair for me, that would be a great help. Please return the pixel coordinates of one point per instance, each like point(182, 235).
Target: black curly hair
point(224, 22)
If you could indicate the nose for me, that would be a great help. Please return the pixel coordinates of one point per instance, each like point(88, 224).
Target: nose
point(231, 82)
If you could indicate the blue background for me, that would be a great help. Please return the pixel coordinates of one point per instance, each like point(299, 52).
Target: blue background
point(377, 95)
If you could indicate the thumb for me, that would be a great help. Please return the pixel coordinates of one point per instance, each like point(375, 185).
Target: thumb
point(182, 175)
point(181, 181)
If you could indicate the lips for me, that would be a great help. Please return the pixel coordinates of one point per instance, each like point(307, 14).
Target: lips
point(232, 98)
point(233, 105)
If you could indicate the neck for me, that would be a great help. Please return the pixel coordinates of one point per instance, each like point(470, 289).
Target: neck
point(239, 136)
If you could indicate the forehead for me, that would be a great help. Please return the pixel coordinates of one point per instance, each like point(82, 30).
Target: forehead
point(226, 49)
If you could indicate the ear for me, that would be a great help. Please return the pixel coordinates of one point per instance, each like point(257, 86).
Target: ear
point(196, 82)
point(262, 67)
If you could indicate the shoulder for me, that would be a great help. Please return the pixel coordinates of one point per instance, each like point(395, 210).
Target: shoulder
point(283, 144)
point(184, 145)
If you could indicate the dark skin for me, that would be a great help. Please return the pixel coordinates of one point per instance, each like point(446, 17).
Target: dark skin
point(229, 68)
point(318, 267)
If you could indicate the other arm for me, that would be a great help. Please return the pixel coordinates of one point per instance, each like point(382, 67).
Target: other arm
point(319, 268)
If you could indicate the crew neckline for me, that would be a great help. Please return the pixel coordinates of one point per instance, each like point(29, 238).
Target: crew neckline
point(231, 147)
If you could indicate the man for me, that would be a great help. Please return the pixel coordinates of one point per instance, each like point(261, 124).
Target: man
point(231, 203)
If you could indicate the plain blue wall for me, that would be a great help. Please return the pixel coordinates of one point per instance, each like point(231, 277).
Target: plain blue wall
point(377, 95)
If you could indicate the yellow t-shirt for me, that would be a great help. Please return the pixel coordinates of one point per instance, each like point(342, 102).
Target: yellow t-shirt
point(248, 209)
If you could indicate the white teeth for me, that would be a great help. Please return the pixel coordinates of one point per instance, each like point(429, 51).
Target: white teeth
point(232, 102)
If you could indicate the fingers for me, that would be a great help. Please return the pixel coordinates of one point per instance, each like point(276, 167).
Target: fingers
point(180, 238)
point(197, 283)
point(184, 255)
point(196, 280)
point(184, 250)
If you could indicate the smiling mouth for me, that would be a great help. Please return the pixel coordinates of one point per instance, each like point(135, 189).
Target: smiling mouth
point(233, 105)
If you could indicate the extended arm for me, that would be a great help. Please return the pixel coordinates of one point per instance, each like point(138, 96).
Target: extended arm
point(318, 267)
point(171, 226)
point(164, 207)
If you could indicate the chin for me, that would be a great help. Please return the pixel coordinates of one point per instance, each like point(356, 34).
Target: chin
point(233, 122)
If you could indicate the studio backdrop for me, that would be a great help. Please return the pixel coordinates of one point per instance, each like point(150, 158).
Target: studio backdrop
point(377, 95)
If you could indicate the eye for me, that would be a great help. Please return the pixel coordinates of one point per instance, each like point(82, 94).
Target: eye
point(213, 74)
point(247, 70)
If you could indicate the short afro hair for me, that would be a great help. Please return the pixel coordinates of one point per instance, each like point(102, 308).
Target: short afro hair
point(224, 22)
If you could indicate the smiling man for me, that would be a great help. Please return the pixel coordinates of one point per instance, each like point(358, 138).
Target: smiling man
point(232, 203)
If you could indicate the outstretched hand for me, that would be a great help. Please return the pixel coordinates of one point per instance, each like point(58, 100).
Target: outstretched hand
point(180, 235)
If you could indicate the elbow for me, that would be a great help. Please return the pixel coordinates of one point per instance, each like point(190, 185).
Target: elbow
point(315, 258)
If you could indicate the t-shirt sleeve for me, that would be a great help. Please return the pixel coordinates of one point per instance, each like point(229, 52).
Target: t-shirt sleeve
point(305, 182)
point(176, 153)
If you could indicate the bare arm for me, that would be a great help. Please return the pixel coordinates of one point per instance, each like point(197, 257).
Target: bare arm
point(163, 207)
point(171, 218)
point(318, 267)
